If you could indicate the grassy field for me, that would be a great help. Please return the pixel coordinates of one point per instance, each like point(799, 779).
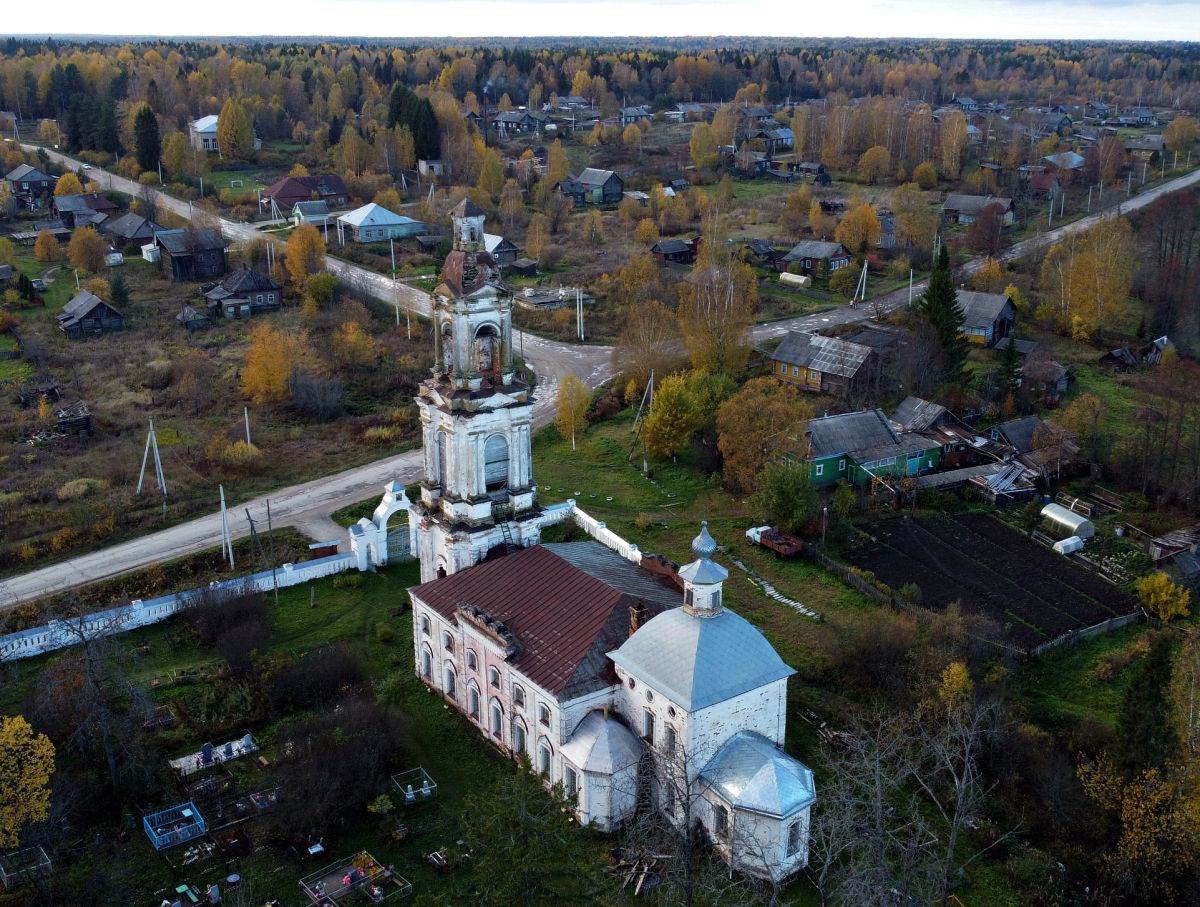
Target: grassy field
point(191, 383)
point(216, 180)
point(1062, 687)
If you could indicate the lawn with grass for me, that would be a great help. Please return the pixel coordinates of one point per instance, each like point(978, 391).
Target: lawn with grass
point(1062, 688)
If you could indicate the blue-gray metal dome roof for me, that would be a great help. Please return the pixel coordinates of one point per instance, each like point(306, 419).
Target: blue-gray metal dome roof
point(698, 661)
point(703, 571)
point(704, 544)
point(602, 744)
point(750, 772)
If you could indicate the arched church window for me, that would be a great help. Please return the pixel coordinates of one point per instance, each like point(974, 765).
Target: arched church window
point(487, 351)
point(426, 663)
point(451, 682)
point(473, 700)
point(496, 720)
point(495, 462)
point(518, 737)
point(544, 756)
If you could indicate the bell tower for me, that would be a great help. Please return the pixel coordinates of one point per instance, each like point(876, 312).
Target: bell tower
point(477, 489)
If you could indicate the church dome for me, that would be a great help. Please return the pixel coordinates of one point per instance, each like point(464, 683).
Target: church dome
point(704, 545)
point(699, 661)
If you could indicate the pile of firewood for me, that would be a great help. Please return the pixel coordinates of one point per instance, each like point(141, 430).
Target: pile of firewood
point(637, 869)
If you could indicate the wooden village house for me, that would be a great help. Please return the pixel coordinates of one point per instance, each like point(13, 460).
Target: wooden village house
point(826, 365)
point(88, 314)
point(190, 254)
point(987, 317)
point(242, 293)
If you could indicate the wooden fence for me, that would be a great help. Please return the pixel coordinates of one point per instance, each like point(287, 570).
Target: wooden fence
point(1105, 626)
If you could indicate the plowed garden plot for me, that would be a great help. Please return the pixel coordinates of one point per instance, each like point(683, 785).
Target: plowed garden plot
point(1033, 594)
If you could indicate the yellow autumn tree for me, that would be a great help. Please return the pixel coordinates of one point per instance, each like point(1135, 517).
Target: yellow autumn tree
point(672, 417)
point(820, 223)
point(1086, 279)
point(353, 347)
point(874, 163)
point(1157, 812)
point(703, 146)
point(271, 358)
point(858, 231)
point(46, 247)
point(305, 254)
point(558, 167)
point(646, 232)
point(925, 175)
point(235, 132)
point(952, 139)
point(68, 184)
point(716, 308)
point(298, 169)
point(989, 278)
point(86, 250)
point(26, 764)
point(762, 421)
point(1163, 598)
point(571, 407)
point(916, 222)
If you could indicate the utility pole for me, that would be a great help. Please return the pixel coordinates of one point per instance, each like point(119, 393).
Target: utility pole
point(910, 287)
point(1089, 207)
point(226, 540)
point(246, 413)
point(271, 539)
point(159, 476)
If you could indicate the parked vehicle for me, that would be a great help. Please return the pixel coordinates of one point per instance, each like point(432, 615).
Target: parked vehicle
point(784, 544)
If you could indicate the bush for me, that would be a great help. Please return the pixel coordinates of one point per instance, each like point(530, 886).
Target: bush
point(383, 434)
point(212, 613)
point(64, 539)
point(843, 281)
point(317, 398)
point(79, 488)
point(316, 678)
point(132, 250)
point(384, 633)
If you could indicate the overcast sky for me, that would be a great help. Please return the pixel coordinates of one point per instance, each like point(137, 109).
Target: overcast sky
point(1116, 19)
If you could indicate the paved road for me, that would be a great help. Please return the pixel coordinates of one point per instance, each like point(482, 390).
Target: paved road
point(308, 505)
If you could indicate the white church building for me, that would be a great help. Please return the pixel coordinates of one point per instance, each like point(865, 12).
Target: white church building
point(625, 680)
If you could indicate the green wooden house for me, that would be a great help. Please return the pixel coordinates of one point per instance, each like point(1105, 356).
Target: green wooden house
point(859, 446)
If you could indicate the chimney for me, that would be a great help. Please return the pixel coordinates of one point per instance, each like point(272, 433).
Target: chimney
point(637, 616)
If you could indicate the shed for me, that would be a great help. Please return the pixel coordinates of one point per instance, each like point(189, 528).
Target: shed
point(1064, 523)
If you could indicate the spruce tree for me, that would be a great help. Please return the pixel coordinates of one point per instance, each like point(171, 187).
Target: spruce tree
point(1010, 369)
point(147, 142)
point(426, 138)
point(940, 307)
